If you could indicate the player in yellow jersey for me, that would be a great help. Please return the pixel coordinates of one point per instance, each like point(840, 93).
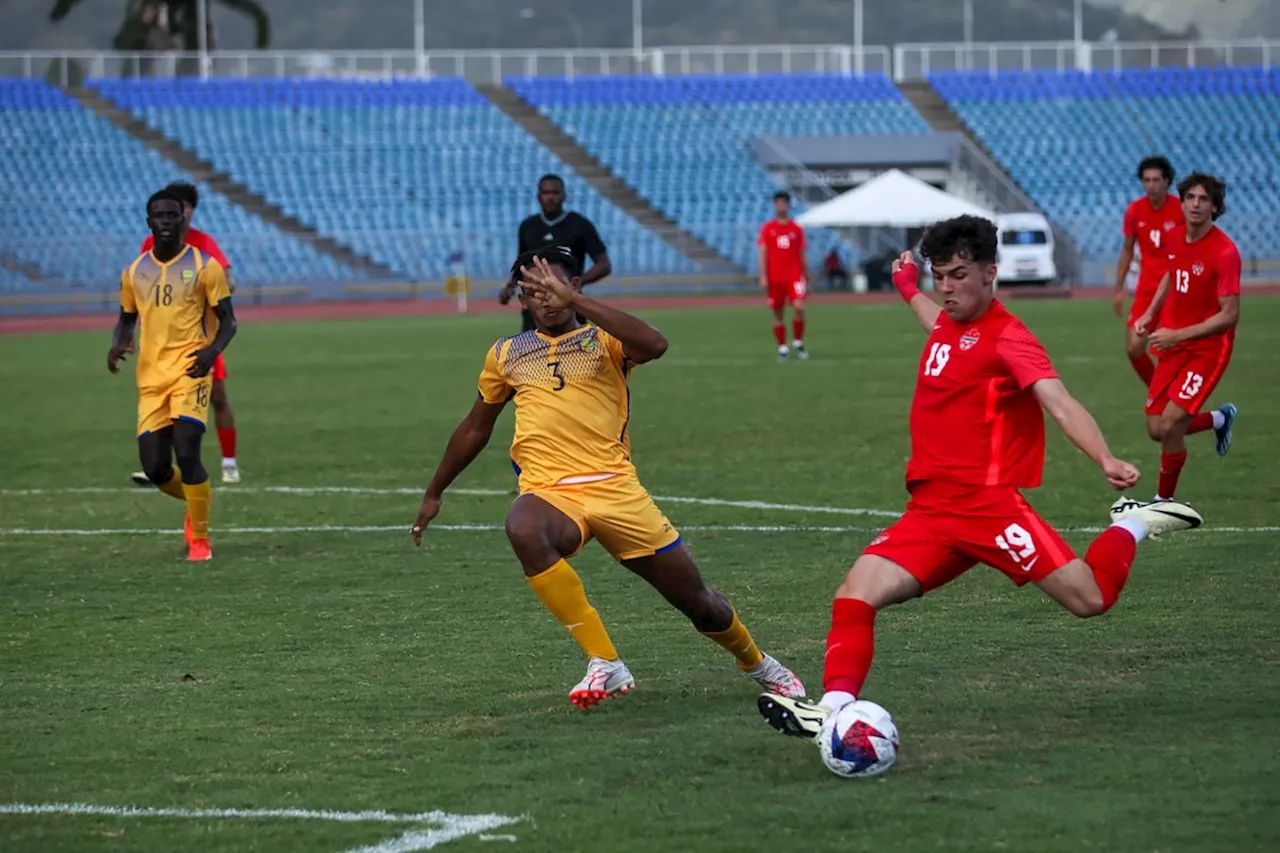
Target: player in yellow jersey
point(573, 456)
point(181, 295)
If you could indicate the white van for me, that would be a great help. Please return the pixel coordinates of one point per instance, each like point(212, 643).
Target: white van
point(1026, 249)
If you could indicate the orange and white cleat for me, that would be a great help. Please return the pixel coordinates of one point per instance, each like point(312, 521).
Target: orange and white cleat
point(199, 550)
point(604, 679)
point(776, 678)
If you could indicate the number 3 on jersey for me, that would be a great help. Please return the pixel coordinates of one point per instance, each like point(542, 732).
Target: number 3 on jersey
point(557, 375)
point(939, 355)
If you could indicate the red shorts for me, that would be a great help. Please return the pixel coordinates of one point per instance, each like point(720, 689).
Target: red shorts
point(1186, 377)
point(219, 372)
point(949, 528)
point(1142, 296)
point(793, 292)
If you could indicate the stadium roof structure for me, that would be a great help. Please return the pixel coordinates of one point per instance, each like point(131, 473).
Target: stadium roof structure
point(892, 199)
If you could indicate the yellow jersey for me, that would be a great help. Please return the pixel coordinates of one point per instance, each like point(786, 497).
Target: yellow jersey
point(174, 303)
point(572, 404)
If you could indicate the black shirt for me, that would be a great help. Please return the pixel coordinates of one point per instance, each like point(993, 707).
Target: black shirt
point(570, 229)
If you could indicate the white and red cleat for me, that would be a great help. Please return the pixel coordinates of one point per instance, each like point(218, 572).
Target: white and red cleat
point(604, 678)
point(776, 678)
point(199, 550)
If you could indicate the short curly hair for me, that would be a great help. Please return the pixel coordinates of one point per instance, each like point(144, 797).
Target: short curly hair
point(1156, 161)
point(970, 238)
point(560, 256)
point(1212, 184)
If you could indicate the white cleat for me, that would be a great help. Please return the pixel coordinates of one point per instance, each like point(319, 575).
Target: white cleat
point(783, 353)
point(604, 679)
point(792, 716)
point(140, 478)
point(230, 474)
point(1123, 505)
point(800, 351)
point(1162, 517)
point(776, 678)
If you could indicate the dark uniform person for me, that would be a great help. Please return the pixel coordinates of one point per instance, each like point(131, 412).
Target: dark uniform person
point(555, 226)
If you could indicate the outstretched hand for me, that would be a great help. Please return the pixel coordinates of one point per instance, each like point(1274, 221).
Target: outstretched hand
point(542, 283)
point(429, 510)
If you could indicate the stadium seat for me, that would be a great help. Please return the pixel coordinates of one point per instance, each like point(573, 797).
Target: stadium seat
point(1073, 141)
point(687, 143)
point(407, 172)
point(75, 192)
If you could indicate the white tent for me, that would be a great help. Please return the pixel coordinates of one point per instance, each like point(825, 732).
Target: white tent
point(893, 199)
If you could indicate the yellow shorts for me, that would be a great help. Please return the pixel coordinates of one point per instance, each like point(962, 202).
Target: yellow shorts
point(619, 512)
point(185, 399)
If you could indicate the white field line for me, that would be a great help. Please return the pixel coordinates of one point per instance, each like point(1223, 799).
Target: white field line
point(362, 490)
point(494, 528)
point(448, 826)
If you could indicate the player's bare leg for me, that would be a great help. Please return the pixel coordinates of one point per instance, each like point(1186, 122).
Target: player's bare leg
point(780, 332)
point(797, 330)
point(196, 488)
point(1136, 348)
point(224, 418)
point(675, 575)
point(542, 537)
point(871, 584)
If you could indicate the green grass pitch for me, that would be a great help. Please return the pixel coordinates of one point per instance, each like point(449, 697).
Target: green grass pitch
point(336, 668)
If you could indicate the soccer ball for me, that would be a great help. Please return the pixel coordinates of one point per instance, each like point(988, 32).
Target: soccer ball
point(859, 741)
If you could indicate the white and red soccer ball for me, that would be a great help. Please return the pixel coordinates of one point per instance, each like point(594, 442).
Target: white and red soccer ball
point(859, 741)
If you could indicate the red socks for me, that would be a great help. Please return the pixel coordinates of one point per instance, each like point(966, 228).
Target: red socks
point(850, 645)
point(1170, 467)
point(227, 438)
point(1144, 367)
point(780, 334)
point(1109, 557)
point(797, 329)
point(1201, 422)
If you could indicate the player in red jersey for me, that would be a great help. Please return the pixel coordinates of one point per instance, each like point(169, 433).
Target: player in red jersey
point(224, 416)
point(1192, 326)
point(784, 274)
point(1147, 223)
point(977, 439)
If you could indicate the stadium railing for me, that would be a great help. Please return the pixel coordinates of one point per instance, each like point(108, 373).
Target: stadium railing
point(906, 61)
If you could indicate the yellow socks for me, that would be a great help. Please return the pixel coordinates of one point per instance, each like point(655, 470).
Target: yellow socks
point(173, 488)
point(560, 589)
point(198, 498)
point(736, 639)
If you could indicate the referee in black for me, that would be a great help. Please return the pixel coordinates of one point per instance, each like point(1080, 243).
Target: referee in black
point(555, 226)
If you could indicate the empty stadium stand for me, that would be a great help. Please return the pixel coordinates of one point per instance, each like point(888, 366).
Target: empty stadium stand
point(404, 172)
point(74, 193)
point(686, 143)
point(1073, 141)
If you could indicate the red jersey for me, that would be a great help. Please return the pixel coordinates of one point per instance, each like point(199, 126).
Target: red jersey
point(1150, 229)
point(784, 247)
point(1200, 273)
point(974, 419)
point(196, 239)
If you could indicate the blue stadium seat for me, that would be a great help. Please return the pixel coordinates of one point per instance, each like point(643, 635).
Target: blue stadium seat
point(407, 172)
point(1073, 141)
point(687, 143)
point(75, 190)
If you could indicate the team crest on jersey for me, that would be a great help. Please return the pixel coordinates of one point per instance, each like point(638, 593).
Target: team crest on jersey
point(1197, 268)
point(587, 345)
point(188, 276)
point(969, 339)
point(1170, 225)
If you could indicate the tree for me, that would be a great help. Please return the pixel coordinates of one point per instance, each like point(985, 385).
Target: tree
point(144, 18)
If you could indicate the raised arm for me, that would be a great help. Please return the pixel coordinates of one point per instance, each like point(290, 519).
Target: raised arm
point(1080, 427)
point(906, 276)
point(469, 438)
